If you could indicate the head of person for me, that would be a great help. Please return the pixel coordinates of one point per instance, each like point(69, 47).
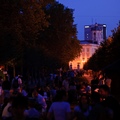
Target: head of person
point(31, 102)
point(35, 93)
point(104, 91)
point(95, 98)
point(61, 95)
point(84, 99)
point(19, 104)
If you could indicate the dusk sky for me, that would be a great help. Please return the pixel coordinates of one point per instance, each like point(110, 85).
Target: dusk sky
point(87, 12)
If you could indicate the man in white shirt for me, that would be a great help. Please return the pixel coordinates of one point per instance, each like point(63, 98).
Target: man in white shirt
point(60, 109)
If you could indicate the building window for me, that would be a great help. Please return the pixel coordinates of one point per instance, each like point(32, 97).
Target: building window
point(83, 50)
point(87, 35)
point(87, 49)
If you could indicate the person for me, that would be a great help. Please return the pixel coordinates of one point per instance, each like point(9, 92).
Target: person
point(83, 88)
point(40, 100)
point(32, 113)
point(60, 108)
point(22, 90)
point(94, 84)
point(53, 92)
point(109, 102)
point(6, 85)
point(82, 110)
point(19, 105)
point(1, 89)
point(7, 111)
point(16, 82)
point(5, 102)
point(20, 80)
point(65, 83)
point(72, 93)
point(14, 85)
point(108, 82)
point(98, 111)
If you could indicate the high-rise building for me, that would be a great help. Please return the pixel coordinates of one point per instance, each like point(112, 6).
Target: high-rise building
point(95, 33)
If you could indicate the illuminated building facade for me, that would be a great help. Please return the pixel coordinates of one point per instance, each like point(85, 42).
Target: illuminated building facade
point(88, 49)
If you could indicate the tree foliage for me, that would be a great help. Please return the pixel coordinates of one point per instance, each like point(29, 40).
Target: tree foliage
point(20, 21)
point(36, 34)
point(61, 39)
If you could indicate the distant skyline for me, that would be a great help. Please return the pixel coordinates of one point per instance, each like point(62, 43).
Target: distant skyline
point(87, 12)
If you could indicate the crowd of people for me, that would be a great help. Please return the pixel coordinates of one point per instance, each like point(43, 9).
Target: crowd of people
point(61, 98)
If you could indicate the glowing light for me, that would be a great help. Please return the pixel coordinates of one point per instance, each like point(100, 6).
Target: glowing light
point(87, 26)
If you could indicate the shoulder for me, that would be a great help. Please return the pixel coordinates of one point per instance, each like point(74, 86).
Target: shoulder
point(40, 96)
point(77, 108)
point(90, 108)
point(65, 103)
point(54, 104)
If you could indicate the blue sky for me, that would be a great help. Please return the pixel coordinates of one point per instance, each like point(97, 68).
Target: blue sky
point(87, 12)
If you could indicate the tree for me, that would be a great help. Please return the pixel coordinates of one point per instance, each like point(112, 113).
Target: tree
point(107, 60)
point(61, 40)
point(20, 21)
point(27, 39)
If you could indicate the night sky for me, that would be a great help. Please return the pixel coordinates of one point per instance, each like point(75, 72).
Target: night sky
point(87, 12)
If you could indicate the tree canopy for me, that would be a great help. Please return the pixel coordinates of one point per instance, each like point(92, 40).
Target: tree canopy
point(20, 21)
point(61, 35)
point(37, 33)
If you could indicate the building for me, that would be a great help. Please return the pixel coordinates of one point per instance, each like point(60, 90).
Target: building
point(88, 49)
point(94, 35)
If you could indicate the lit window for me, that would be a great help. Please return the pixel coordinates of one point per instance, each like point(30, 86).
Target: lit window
point(83, 50)
point(87, 49)
point(86, 26)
